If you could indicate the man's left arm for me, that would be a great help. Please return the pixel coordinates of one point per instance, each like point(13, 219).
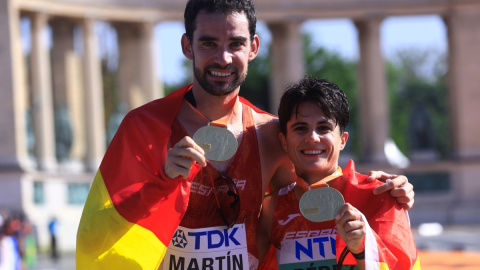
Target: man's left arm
point(397, 185)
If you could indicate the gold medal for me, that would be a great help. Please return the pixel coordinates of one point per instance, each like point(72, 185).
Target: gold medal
point(218, 143)
point(320, 204)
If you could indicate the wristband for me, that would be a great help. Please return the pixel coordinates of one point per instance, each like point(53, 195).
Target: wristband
point(359, 256)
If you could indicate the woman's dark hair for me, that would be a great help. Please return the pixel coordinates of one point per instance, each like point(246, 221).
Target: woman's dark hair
point(332, 101)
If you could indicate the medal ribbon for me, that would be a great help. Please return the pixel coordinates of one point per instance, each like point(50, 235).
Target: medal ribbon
point(222, 122)
point(321, 183)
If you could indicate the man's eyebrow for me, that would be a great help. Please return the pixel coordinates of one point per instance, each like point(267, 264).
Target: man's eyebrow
point(234, 38)
point(207, 38)
point(238, 38)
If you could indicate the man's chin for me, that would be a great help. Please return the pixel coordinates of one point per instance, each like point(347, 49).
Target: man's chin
point(220, 91)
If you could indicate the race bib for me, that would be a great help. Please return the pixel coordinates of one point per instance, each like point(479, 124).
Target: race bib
point(308, 253)
point(207, 248)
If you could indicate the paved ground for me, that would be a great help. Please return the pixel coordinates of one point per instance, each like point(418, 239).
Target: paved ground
point(456, 247)
point(447, 260)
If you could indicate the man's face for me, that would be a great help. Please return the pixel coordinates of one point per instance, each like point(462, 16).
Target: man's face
point(313, 142)
point(221, 49)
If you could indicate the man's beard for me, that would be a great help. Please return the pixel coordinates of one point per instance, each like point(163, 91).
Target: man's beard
point(218, 88)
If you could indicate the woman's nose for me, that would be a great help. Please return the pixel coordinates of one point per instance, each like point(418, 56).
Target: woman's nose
point(312, 137)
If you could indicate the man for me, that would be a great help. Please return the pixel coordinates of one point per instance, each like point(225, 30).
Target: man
point(153, 168)
point(329, 212)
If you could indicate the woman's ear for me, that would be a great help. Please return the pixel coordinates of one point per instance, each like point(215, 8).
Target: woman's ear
point(283, 140)
point(344, 138)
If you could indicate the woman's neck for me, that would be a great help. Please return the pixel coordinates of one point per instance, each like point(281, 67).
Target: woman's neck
point(317, 181)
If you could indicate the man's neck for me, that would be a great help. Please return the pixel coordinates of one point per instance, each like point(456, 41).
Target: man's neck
point(214, 107)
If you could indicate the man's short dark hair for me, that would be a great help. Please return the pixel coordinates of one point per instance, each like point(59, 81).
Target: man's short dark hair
point(332, 101)
point(219, 6)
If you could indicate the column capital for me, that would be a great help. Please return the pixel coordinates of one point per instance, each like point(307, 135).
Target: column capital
point(62, 24)
point(366, 23)
point(462, 17)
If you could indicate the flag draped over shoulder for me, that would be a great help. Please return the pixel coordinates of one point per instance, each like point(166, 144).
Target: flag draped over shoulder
point(386, 221)
point(133, 209)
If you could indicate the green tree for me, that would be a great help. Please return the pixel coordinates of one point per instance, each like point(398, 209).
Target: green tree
point(417, 79)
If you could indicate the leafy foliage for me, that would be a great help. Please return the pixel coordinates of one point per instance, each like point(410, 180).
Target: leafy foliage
point(415, 86)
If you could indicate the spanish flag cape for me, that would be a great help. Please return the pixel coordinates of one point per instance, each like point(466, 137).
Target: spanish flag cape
point(133, 208)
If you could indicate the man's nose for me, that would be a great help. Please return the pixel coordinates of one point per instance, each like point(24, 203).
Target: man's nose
point(224, 56)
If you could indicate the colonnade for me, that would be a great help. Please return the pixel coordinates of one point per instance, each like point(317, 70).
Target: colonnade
point(73, 80)
point(61, 79)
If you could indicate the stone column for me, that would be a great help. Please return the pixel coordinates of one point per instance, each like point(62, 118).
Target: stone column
point(136, 68)
point(42, 94)
point(463, 24)
point(464, 81)
point(288, 63)
point(151, 85)
point(62, 36)
point(129, 64)
point(68, 85)
point(76, 106)
point(374, 113)
point(95, 117)
point(13, 90)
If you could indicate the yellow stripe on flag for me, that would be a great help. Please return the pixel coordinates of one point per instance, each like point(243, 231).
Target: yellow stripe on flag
point(124, 245)
point(383, 266)
point(417, 266)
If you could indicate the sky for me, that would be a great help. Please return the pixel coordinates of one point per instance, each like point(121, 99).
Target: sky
point(339, 35)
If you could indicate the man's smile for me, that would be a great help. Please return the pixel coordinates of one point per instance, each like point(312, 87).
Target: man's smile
point(220, 74)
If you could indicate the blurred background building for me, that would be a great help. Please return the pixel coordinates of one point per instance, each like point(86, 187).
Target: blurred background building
point(62, 98)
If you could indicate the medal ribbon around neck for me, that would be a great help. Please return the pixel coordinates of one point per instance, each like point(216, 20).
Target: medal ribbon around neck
point(322, 202)
point(218, 143)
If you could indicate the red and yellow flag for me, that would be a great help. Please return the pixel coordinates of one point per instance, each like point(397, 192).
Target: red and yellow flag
point(389, 242)
point(133, 209)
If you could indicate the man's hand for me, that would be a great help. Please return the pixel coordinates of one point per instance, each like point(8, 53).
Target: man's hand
point(398, 186)
point(181, 157)
point(351, 227)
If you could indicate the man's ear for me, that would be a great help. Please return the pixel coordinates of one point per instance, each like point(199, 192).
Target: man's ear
point(254, 47)
point(283, 140)
point(187, 47)
point(344, 138)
